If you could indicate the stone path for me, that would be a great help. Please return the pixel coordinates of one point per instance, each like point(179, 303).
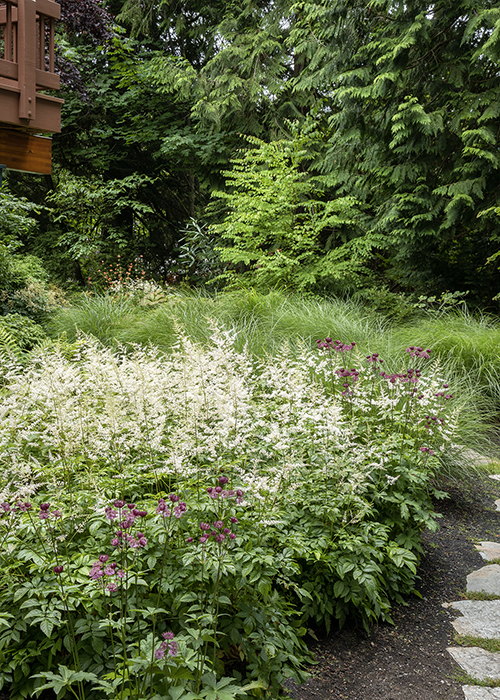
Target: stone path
point(481, 619)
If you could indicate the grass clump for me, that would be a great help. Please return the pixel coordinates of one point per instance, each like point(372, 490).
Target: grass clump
point(479, 595)
point(467, 640)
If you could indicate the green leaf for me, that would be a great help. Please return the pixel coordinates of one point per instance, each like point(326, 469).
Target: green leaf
point(47, 626)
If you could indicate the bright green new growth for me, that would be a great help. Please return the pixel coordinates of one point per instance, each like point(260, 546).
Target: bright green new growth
point(281, 229)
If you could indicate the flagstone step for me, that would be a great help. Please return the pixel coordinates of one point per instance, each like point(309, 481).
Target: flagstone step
point(489, 550)
point(477, 662)
point(475, 692)
point(481, 618)
point(485, 580)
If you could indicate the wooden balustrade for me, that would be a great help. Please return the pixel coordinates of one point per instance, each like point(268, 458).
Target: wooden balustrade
point(27, 65)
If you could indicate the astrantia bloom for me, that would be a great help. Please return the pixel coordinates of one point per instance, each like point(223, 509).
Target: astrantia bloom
point(24, 507)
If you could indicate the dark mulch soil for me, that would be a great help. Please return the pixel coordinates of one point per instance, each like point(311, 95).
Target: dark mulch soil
point(409, 661)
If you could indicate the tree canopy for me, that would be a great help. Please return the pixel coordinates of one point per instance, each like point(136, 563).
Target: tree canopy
point(403, 99)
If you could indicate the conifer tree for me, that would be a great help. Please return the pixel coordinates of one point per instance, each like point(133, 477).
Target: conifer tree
point(411, 92)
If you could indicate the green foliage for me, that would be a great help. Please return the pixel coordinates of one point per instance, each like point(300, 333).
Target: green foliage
point(86, 211)
point(23, 278)
point(413, 129)
point(280, 228)
point(101, 316)
point(198, 254)
point(16, 218)
point(20, 332)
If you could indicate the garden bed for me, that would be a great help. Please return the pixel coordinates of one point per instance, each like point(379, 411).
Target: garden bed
point(173, 524)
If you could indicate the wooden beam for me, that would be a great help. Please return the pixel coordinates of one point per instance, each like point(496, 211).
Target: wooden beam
point(26, 51)
point(48, 113)
point(26, 153)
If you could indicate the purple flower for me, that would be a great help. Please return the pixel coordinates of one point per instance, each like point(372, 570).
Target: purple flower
point(173, 649)
point(174, 497)
point(115, 542)
point(234, 520)
point(223, 480)
point(110, 513)
point(232, 536)
point(44, 506)
point(204, 526)
point(220, 538)
point(103, 558)
point(96, 571)
point(159, 653)
point(168, 635)
point(112, 586)
point(24, 507)
point(120, 573)
point(109, 571)
point(131, 506)
point(119, 504)
point(204, 539)
point(218, 524)
point(189, 539)
point(58, 569)
point(5, 506)
point(43, 515)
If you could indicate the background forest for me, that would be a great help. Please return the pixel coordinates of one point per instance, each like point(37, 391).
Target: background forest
point(321, 146)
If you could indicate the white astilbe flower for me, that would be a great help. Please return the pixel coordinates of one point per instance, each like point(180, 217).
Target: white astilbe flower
point(212, 405)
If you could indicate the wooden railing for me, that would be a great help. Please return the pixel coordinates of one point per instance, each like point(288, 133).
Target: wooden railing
point(27, 64)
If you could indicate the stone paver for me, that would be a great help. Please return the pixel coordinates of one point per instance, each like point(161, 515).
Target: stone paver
point(489, 550)
point(481, 618)
point(477, 662)
point(485, 580)
point(474, 692)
